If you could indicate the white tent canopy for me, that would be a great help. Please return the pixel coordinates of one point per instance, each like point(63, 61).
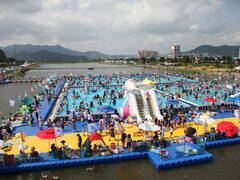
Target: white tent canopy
point(237, 68)
point(204, 119)
point(237, 113)
point(149, 126)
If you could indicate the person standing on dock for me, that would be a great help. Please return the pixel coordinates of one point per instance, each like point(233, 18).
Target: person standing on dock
point(40, 122)
point(37, 115)
point(31, 120)
point(129, 142)
point(74, 124)
point(112, 132)
point(123, 139)
point(79, 141)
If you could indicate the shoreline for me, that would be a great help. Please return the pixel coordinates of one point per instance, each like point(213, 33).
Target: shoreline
point(183, 69)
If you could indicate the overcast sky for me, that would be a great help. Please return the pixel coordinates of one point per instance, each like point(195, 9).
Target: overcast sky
point(120, 26)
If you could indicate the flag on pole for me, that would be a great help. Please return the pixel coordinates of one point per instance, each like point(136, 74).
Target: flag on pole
point(58, 131)
point(25, 93)
point(92, 127)
point(11, 103)
point(19, 97)
point(21, 135)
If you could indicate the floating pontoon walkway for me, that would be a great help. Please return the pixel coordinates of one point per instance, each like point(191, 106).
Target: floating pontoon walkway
point(153, 157)
point(157, 161)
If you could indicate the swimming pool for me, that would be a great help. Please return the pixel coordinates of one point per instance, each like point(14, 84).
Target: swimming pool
point(84, 96)
point(89, 93)
point(195, 93)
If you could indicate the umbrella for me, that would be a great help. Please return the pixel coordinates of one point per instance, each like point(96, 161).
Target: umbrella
point(172, 102)
point(149, 126)
point(88, 79)
point(237, 113)
point(228, 128)
point(204, 119)
point(98, 137)
point(115, 116)
point(48, 134)
point(40, 92)
point(95, 137)
point(106, 108)
point(235, 95)
point(210, 99)
point(149, 82)
point(238, 68)
point(27, 100)
point(24, 109)
point(234, 100)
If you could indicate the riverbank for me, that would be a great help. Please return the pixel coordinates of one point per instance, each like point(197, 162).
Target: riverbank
point(190, 69)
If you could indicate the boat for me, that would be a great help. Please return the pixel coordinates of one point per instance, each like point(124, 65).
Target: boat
point(90, 68)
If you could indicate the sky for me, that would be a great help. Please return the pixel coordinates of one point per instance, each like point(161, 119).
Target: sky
point(120, 26)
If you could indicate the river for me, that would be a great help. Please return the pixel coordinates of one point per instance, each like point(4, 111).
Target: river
point(224, 165)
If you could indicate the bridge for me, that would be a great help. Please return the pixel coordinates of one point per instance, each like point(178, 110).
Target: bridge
point(25, 80)
point(89, 68)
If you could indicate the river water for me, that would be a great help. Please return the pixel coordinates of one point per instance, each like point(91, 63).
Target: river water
point(225, 164)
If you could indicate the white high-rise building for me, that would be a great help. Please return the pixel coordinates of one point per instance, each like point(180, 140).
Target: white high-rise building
point(147, 54)
point(176, 53)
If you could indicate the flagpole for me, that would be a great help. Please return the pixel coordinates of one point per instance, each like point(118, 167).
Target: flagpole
point(22, 141)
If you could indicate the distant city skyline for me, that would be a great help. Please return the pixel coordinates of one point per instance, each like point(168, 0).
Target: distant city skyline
point(121, 26)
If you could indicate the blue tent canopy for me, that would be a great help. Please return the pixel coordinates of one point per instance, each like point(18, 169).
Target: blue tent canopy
point(235, 100)
point(106, 108)
point(172, 102)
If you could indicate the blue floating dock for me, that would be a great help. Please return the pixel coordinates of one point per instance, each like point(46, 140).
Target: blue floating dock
point(44, 109)
point(73, 162)
point(175, 159)
point(159, 163)
point(222, 142)
point(178, 155)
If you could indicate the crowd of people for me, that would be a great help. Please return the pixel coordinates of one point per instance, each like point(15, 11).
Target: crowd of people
point(79, 109)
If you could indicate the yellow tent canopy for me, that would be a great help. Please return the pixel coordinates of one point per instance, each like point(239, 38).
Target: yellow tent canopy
point(149, 82)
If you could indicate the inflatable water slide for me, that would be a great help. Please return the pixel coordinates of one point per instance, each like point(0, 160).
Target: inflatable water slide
point(140, 101)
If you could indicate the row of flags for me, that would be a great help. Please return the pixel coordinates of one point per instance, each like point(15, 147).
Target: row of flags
point(12, 102)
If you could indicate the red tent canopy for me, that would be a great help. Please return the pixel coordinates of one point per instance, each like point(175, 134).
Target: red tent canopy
point(47, 134)
point(95, 137)
point(228, 128)
point(87, 79)
point(210, 99)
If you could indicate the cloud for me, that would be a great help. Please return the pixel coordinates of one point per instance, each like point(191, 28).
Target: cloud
point(120, 26)
point(194, 27)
